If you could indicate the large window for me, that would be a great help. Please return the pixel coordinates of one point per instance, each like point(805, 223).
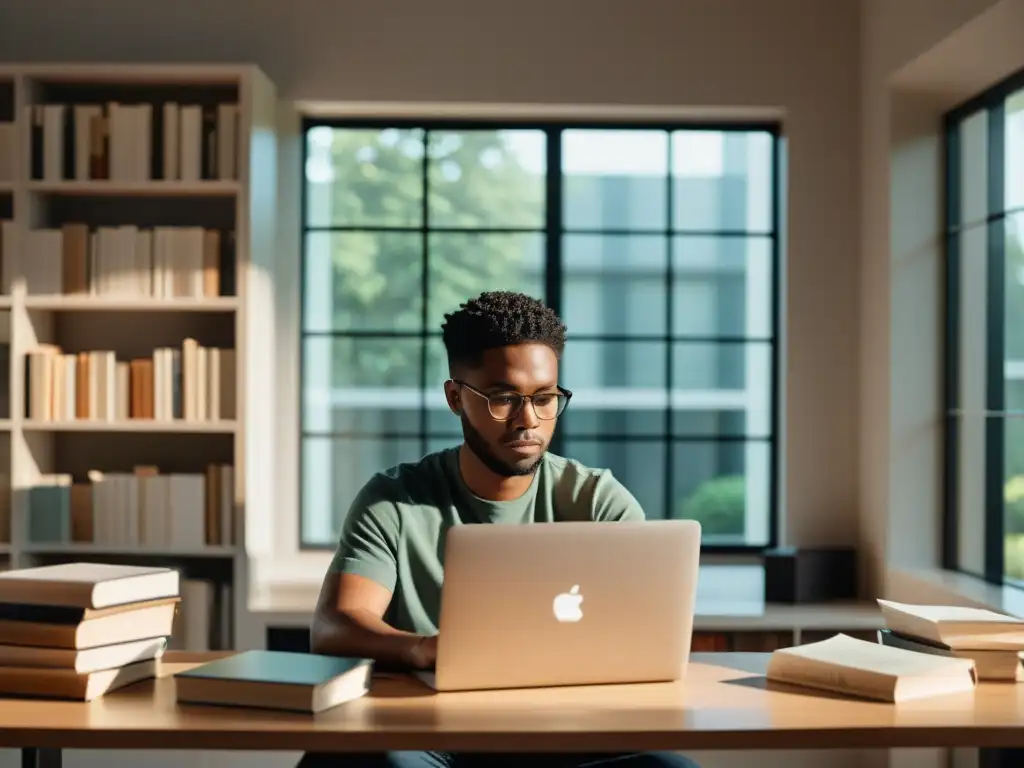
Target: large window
point(985, 335)
point(658, 246)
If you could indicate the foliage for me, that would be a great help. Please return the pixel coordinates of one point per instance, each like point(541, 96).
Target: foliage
point(1013, 556)
point(1013, 498)
point(1014, 345)
point(719, 505)
point(475, 181)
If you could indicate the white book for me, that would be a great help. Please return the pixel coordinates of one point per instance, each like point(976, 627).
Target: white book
point(956, 627)
point(143, 155)
point(87, 585)
point(852, 667)
point(53, 141)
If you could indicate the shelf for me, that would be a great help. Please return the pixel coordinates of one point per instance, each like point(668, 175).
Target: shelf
point(130, 303)
point(135, 188)
point(124, 551)
point(134, 425)
point(236, 200)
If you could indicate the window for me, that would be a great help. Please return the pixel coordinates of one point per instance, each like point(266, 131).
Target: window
point(657, 245)
point(984, 499)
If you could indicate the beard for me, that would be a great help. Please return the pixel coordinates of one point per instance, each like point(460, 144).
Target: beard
point(476, 443)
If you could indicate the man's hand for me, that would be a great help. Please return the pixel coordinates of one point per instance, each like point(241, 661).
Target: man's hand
point(423, 652)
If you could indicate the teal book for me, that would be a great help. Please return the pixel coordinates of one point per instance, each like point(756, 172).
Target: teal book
point(301, 682)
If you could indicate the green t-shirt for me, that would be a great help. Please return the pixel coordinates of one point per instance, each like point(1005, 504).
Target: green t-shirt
point(398, 520)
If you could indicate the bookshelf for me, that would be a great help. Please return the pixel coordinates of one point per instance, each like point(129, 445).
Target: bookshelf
point(136, 260)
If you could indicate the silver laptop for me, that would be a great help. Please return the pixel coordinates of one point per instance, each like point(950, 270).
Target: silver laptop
point(566, 604)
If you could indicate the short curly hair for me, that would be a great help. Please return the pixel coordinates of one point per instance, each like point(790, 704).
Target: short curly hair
point(499, 319)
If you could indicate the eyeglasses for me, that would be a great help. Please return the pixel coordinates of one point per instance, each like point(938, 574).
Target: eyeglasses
point(507, 405)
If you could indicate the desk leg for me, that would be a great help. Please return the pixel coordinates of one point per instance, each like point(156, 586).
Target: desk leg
point(40, 757)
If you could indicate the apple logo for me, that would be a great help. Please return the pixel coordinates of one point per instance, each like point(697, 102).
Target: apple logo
point(567, 606)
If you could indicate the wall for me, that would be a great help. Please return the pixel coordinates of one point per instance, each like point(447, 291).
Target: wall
point(919, 60)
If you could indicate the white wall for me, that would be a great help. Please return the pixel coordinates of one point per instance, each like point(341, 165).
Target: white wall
point(920, 59)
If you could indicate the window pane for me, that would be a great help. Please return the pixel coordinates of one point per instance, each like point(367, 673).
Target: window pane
point(971, 341)
point(463, 265)
point(639, 465)
point(363, 281)
point(481, 179)
point(333, 471)
point(692, 419)
point(723, 377)
point(613, 419)
point(600, 371)
point(364, 177)
point(1014, 161)
point(351, 382)
point(973, 168)
point(615, 284)
point(725, 486)
point(970, 501)
point(440, 419)
point(615, 179)
point(1013, 434)
point(1014, 286)
point(722, 181)
point(1013, 489)
point(971, 323)
point(722, 286)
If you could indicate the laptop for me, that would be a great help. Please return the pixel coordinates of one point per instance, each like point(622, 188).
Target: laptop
point(574, 603)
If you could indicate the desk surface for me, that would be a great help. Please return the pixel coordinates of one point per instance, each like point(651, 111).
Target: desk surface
point(725, 703)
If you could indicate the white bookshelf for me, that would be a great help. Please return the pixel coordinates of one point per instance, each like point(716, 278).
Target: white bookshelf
point(151, 191)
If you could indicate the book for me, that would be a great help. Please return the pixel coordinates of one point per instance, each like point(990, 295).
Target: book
point(154, 619)
point(83, 661)
point(87, 585)
point(302, 682)
point(67, 684)
point(994, 666)
point(954, 626)
point(69, 614)
point(845, 665)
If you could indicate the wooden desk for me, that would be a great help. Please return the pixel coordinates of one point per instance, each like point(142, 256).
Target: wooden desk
point(725, 703)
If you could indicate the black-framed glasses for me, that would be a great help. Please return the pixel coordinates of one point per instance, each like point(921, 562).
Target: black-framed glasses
point(507, 405)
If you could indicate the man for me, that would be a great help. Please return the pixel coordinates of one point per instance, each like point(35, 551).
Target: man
point(381, 596)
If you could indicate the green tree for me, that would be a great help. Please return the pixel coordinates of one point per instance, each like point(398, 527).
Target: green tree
point(475, 181)
point(1014, 345)
point(719, 505)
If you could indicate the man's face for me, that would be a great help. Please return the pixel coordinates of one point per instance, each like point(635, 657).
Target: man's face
point(516, 446)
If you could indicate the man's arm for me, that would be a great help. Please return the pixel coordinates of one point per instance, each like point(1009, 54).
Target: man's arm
point(348, 621)
point(356, 592)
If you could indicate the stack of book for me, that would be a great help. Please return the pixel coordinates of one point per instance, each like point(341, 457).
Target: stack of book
point(994, 641)
point(80, 630)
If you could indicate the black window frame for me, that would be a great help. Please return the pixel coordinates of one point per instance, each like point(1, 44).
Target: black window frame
point(553, 283)
point(992, 103)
